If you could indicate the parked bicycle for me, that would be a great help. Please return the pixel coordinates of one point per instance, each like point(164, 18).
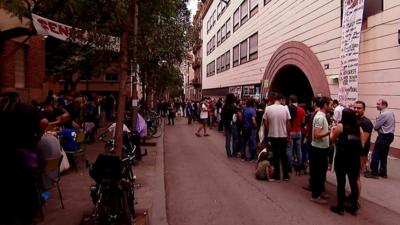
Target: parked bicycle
point(113, 194)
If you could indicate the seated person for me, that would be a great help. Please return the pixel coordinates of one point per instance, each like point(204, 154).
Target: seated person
point(264, 170)
point(47, 148)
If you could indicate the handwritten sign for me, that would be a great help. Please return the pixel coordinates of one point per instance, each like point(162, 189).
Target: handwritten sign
point(349, 51)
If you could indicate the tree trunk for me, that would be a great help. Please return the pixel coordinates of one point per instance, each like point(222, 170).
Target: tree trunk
point(122, 84)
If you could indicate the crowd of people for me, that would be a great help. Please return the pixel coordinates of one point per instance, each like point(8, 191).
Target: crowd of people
point(34, 132)
point(283, 136)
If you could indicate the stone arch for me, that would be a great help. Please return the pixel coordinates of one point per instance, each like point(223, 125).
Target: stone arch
point(300, 55)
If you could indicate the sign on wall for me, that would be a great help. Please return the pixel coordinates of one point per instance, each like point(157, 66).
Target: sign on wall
point(349, 51)
point(237, 91)
point(64, 32)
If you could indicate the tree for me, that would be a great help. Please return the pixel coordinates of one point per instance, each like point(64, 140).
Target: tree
point(164, 26)
point(163, 39)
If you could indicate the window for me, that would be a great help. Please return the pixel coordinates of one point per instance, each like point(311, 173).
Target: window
point(223, 62)
point(236, 19)
point(219, 10)
point(213, 18)
point(218, 64)
point(266, 1)
point(213, 43)
point(236, 55)
point(211, 69)
point(253, 47)
point(372, 7)
point(228, 28)
point(223, 7)
point(111, 77)
point(243, 52)
point(253, 7)
point(219, 37)
point(244, 11)
point(227, 60)
point(223, 33)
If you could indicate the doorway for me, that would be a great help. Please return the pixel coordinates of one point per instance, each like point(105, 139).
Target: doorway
point(291, 80)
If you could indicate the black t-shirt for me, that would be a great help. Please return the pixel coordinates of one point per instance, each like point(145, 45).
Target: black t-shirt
point(227, 114)
point(366, 126)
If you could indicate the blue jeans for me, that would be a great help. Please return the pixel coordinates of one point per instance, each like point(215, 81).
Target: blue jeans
point(249, 138)
point(380, 154)
point(231, 138)
point(294, 148)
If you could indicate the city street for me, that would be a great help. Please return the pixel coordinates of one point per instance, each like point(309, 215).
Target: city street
point(203, 186)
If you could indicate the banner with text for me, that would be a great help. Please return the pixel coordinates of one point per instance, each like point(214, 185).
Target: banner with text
point(64, 32)
point(349, 51)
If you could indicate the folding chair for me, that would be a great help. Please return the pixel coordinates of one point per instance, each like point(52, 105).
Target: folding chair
point(53, 166)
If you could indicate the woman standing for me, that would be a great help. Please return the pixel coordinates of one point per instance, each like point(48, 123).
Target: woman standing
point(171, 113)
point(347, 160)
point(231, 135)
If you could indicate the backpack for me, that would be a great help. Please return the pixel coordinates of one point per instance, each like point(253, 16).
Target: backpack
point(292, 111)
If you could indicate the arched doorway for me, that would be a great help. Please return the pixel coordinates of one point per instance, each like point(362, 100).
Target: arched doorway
point(294, 68)
point(290, 80)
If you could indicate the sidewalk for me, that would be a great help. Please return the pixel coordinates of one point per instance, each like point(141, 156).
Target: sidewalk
point(149, 190)
point(384, 192)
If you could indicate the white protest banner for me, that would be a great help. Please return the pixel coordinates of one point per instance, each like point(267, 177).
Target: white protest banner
point(64, 32)
point(349, 51)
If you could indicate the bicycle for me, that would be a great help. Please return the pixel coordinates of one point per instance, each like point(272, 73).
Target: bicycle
point(113, 194)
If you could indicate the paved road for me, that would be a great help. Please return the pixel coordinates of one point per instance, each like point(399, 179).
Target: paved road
point(204, 187)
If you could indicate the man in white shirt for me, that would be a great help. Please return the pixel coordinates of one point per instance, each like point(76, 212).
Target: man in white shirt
point(337, 112)
point(277, 122)
point(319, 151)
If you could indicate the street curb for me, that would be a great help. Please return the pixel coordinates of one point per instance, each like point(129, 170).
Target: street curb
point(159, 212)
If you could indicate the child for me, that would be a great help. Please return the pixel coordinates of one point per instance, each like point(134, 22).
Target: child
point(264, 170)
point(68, 134)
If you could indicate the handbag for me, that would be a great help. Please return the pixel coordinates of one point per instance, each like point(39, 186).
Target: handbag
point(64, 166)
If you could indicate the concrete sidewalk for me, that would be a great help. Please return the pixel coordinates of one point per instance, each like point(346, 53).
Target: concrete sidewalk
point(384, 192)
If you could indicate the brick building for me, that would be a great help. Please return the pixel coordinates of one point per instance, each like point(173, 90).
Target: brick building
point(22, 58)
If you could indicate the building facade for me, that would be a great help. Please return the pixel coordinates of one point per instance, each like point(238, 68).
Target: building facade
point(256, 46)
point(22, 58)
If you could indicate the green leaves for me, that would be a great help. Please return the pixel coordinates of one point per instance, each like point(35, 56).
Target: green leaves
point(163, 40)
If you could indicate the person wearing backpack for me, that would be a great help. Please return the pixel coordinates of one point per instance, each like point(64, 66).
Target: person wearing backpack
point(297, 115)
point(231, 135)
point(249, 130)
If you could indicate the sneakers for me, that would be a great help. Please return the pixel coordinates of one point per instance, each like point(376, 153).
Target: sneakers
point(198, 135)
point(205, 135)
point(319, 200)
